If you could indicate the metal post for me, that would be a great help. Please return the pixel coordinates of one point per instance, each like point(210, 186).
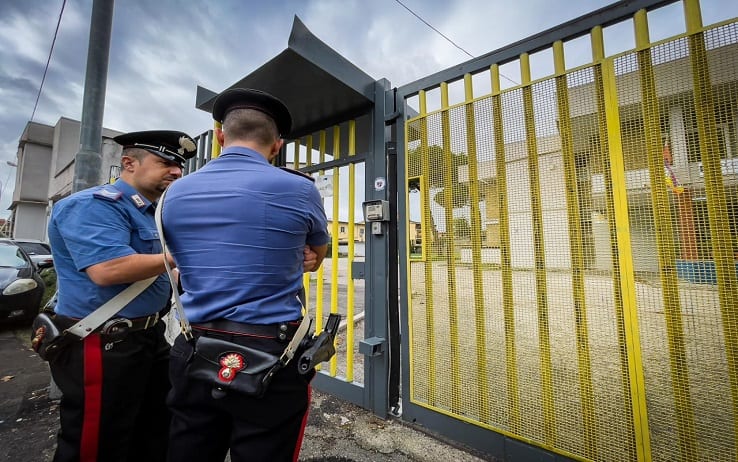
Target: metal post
point(88, 160)
point(393, 307)
point(377, 250)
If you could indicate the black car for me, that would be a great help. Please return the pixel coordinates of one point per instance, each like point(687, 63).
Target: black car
point(21, 287)
point(39, 251)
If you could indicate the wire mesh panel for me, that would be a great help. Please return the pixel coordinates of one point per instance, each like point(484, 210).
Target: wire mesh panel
point(554, 348)
point(572, 265)
point(678, 118)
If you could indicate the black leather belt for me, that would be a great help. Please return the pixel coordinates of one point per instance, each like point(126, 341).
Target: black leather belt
point(114, 325)
point(280, 331)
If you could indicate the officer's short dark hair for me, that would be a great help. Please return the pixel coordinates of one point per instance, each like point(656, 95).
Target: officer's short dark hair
point(250, 125)
point(135, 153)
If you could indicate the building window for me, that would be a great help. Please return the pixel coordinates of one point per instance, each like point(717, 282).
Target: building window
point(725, 138)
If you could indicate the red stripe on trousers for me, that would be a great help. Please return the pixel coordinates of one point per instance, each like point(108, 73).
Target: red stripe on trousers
point(302, 427)
point(93, 373)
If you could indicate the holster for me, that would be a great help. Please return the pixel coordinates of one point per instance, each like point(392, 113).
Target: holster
point(47, 339)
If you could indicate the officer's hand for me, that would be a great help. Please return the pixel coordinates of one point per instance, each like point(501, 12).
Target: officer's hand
point(311, 260)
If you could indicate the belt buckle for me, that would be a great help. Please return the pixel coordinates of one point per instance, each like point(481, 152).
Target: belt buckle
point(116, 329)
point(151, 320)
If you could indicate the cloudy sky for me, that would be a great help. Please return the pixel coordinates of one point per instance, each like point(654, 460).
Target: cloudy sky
point(161, 50)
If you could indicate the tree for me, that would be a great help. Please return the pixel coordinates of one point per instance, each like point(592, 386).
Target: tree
point(437, 165)
point(462, 229)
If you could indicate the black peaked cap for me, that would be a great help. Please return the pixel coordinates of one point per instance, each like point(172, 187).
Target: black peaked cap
point(171, 145)
point(248, 98)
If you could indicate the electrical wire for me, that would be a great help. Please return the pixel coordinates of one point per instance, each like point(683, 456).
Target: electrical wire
point(48, 60)
point(448, 39)
point(437, 31)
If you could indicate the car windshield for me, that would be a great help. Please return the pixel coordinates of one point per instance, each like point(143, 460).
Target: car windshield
point(35, 248)
point(12, 257)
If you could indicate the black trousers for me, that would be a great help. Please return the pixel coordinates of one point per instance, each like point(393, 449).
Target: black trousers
point(267, 429)
point(113, 407)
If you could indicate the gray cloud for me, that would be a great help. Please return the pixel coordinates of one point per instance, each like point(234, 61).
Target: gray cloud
point(160, 51)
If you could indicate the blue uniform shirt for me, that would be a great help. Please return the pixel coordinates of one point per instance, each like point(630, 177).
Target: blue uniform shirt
point(94, 226)
point(237, 229)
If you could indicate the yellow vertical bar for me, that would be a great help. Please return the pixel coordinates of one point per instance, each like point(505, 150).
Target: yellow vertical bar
point(448, 204)
point(308, 157)
point(215, 146)
point(598, 44)
point(576, 248)
point(476, 239)
point(640, 24)
point(539, 255)
point(309, 150)
point(692, 16)
point(723, 250)
point(334, 244)
point(625, 260)
point(321, 271)
point(513, 394)
point(665, 245)
point(349, 270)
point(428, 234)
point(632, 387)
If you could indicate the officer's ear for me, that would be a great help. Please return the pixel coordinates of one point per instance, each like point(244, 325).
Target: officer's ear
point(127, 162)
point(220, 136)
point(276, 147)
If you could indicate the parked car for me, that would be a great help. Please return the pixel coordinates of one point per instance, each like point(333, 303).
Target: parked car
point(21, 286)
point(39, 251)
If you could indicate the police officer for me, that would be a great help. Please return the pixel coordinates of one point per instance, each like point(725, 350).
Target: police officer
point(237, 229)
point(103, 239)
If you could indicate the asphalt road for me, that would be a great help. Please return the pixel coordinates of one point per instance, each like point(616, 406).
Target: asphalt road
point(337, 431)
point(28, 419)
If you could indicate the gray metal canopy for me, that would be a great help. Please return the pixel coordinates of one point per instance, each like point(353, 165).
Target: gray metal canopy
point(320, 87)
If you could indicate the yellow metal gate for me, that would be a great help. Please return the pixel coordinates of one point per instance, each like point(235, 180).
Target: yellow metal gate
point(571, 269)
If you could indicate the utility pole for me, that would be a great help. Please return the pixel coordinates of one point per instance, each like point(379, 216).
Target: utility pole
point(88, 161)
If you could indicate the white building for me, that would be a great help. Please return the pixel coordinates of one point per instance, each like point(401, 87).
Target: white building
point(45, 172)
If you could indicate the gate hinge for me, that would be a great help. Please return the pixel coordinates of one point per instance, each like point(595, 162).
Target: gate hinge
point(390, 118)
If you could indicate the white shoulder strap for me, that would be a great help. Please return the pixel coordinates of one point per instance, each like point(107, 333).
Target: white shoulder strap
point(183, 322)
point(92, 321)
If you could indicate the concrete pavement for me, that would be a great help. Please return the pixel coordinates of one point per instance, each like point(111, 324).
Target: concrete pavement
point(337, 431)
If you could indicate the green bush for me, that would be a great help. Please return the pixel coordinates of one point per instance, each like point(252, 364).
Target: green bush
point(49, 277)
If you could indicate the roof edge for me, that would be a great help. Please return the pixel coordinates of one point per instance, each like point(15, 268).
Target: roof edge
point(306, 44)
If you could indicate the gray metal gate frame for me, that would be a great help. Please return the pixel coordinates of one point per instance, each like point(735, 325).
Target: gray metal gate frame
point(324, 89)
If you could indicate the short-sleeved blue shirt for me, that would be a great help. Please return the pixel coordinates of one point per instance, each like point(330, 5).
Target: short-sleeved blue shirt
point(94, 226)
point(237, 229)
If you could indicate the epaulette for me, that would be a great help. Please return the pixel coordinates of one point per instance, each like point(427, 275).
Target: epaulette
point(297, 172)
point(111, 195)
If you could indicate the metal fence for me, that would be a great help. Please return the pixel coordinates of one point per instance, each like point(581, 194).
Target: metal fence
point(571, 245)
point(333, 289)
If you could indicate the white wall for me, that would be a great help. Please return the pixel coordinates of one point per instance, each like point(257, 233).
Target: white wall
point(30, 221)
